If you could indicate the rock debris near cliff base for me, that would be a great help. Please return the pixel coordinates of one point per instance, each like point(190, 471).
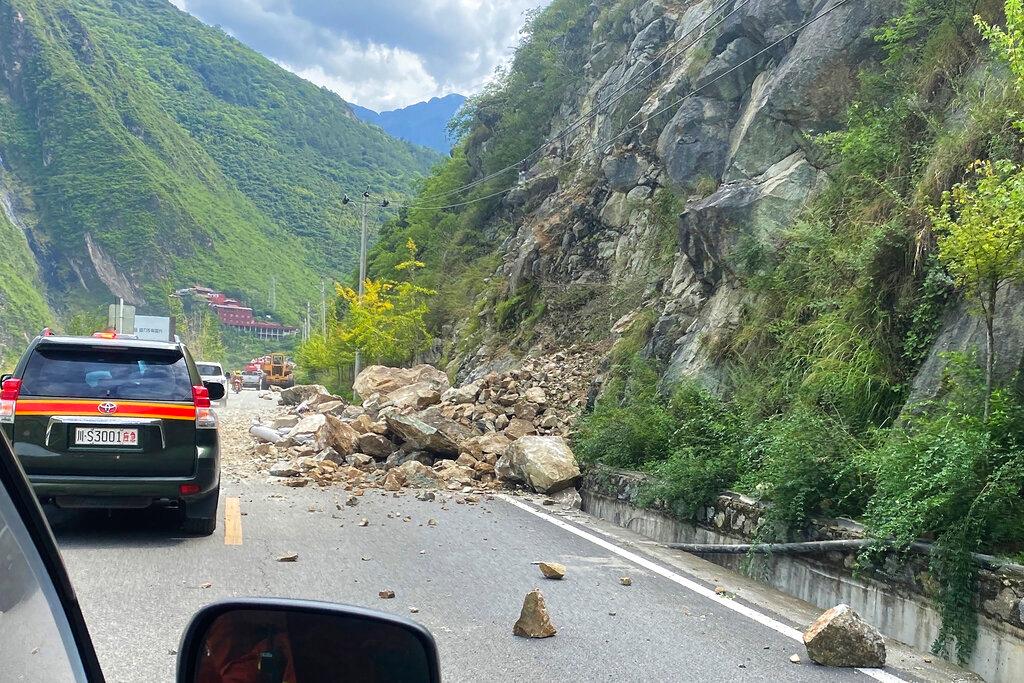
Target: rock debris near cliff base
point(415, 431)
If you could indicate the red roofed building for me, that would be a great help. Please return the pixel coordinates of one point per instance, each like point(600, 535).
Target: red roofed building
point(231, 313)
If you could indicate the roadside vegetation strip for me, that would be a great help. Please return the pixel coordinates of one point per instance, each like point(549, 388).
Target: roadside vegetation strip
point(232, 522)
point(690, 584)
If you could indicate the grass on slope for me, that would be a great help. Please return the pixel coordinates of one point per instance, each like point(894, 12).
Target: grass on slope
point(185, 156)
point(23, 310)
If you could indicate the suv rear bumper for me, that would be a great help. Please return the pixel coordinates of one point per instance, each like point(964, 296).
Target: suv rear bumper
point(157, 490)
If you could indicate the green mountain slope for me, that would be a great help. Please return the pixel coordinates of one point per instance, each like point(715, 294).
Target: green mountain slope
point(25, 311)
point(158, 151)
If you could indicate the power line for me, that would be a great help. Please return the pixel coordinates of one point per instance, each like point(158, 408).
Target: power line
point(654, 115)
point(570, 127)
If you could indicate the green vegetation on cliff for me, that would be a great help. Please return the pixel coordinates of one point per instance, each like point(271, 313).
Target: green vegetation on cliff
point(21, 300)
point(845, 310)
point(500, 126)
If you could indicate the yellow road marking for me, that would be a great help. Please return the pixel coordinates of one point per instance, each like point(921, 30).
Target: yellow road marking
point(232, 522)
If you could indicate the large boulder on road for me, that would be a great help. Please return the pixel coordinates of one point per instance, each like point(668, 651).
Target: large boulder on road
point(417, 475)
point(380, 379)
point(543, 463)
point(418, 396)
point(323, 431)
point(285, 422)
point(338, 435)
point(450, 471)
point(293, 396)
point(432, 433)
point(840, 637)
point(305, 430)
point(376, 445)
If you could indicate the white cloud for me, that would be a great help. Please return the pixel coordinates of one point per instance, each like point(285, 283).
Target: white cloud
point(385, 77)
point(380, 54)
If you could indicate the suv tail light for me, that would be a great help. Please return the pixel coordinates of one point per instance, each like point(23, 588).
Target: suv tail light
point(201, 397)
point(9, 398)
point(205, 417)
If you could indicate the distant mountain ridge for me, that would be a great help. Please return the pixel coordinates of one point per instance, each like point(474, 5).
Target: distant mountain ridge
point(423, 123)
point(142, 150)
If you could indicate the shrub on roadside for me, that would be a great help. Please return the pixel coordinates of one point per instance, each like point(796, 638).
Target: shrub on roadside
point(949, 475)
point(630, 425)
point(705, 455)
point(806, 463)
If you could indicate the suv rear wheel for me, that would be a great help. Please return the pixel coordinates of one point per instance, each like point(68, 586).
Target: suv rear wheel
point(200, 517)
point(199, 526)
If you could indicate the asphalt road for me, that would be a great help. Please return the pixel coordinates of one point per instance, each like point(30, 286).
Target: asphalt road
point(139, 582)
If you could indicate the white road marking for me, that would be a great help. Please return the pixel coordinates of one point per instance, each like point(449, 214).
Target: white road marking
point(763, 619)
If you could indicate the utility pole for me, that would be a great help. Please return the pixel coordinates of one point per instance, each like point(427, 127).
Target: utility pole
point(305, 330)
point(272, 298)
point(323, 308)
point(362, 272)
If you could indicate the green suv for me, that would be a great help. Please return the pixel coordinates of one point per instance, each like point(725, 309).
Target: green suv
point(111, 422)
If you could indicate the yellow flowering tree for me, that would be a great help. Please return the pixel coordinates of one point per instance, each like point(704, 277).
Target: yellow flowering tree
point(981, 240)
point(386, 324)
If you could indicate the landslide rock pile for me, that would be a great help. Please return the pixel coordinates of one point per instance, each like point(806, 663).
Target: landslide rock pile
point(415, 430)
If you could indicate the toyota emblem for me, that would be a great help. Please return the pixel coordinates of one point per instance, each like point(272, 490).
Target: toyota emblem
point(107, 408)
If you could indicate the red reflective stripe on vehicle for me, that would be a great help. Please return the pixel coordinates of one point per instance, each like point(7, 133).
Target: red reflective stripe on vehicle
point(90, 408)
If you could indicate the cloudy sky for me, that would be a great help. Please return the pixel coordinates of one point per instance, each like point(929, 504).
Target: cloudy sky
point(380, 54)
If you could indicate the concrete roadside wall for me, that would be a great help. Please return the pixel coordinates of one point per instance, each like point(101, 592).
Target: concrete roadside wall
point(895, 597)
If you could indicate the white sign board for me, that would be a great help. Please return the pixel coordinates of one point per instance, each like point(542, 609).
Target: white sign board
point(153, 327)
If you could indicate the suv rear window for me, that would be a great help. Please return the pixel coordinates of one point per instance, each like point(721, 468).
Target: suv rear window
point(208, 369)
point(90, 372)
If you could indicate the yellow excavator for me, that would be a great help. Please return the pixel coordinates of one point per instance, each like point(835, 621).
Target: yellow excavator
point(278, 371)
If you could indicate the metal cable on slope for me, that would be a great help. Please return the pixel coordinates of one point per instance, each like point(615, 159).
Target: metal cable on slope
point(660, 63)
point(641, 123)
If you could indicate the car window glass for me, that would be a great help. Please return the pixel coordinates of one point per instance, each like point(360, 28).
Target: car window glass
point(208, 370)
point(133, 374)
point(34, 635)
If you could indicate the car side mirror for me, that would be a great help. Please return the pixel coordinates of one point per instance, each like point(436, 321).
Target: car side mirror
point(216, 390)
point(6, 376)
point(277, 641)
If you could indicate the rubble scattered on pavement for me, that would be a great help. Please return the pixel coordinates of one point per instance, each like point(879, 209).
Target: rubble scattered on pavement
point(795, 659)
point(288, 557)
point(534, 620)
point(414, 430)
point(386, 594)
point(551, 570)
point(625, 581)
point(840, 637)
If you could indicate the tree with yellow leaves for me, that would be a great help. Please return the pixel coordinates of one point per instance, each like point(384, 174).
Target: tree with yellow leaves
point(386, 324)
point(981, 241)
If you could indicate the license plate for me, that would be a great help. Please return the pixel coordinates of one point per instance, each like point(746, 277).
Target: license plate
point(106, 436)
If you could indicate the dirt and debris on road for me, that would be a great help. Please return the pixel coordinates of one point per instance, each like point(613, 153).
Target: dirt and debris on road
point(416, 431)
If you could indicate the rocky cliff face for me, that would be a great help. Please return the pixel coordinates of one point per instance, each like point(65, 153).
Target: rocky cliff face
point(645, 209)
point(661, 211)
